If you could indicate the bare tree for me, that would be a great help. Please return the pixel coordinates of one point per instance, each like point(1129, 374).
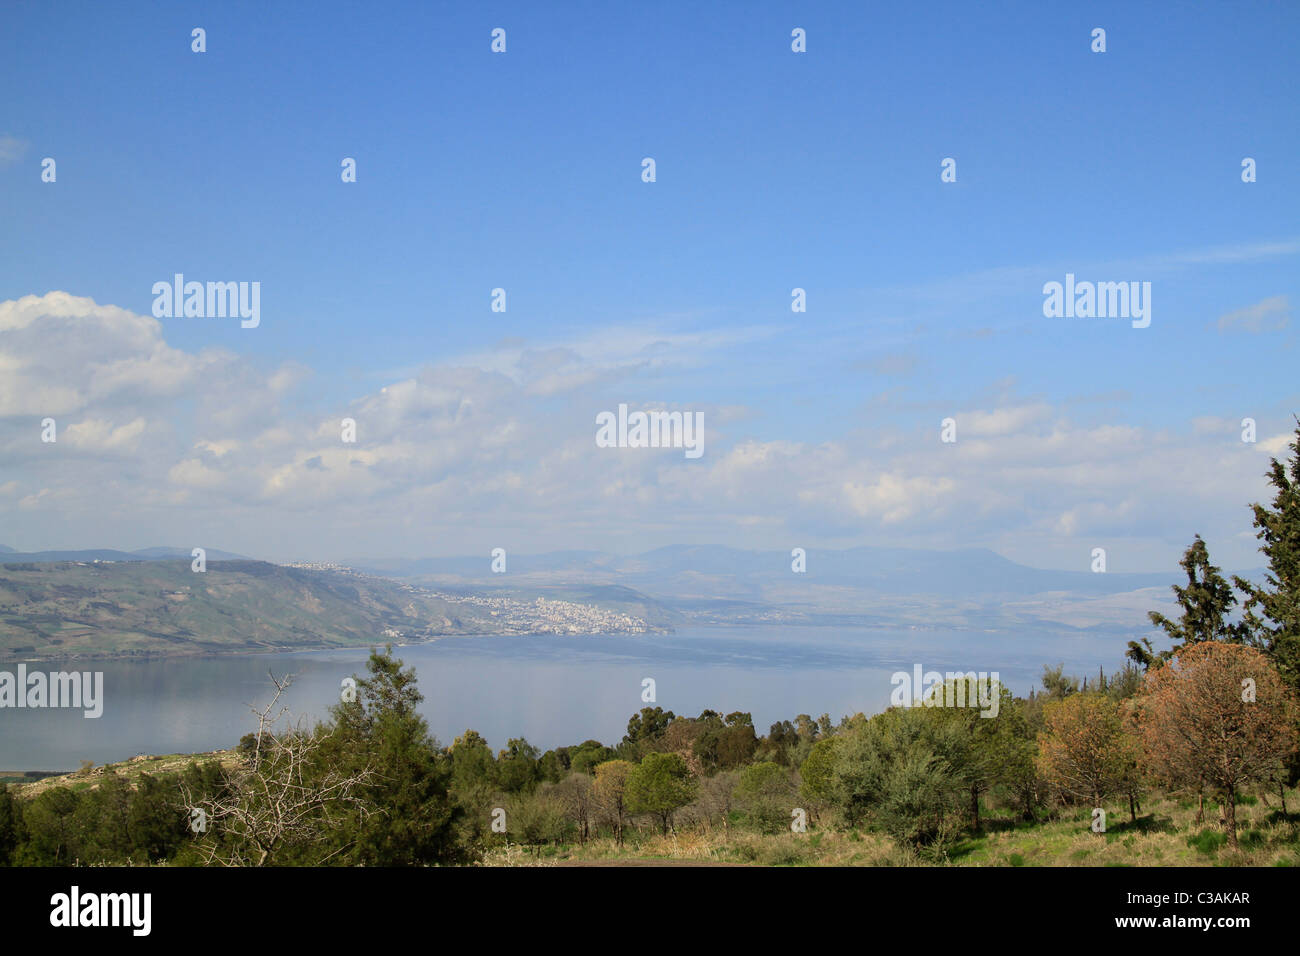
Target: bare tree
point(610, 791)
point(713, 803)
point(280, 796)
point(576, 793)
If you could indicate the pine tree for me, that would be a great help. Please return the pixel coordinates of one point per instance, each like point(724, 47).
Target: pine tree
point(382, 729)
point(1273, 610)
point(1206, 604)
point(10, 824)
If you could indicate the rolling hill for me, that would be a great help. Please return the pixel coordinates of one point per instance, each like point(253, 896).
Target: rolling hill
point(132, 608)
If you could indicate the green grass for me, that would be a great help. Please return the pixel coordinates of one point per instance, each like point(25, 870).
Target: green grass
point(1166, 834)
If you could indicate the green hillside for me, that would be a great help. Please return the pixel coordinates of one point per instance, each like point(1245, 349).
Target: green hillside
point(162, 607)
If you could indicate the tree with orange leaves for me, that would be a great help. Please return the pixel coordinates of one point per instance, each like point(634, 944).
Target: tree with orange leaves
point(1084, 750)
point(1218, 714)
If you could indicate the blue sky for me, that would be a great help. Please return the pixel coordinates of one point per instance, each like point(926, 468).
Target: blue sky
point(774, 170)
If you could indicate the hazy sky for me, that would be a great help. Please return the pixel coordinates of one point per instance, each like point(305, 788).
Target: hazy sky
point(523, 171)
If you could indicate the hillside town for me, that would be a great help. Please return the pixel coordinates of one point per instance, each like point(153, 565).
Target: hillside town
point(511, 616)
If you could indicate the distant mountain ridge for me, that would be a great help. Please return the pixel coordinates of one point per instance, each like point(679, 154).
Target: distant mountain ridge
point(10, 556)
point(905, 570)
point(901, 570)
point(864, 587)
point(970, 589)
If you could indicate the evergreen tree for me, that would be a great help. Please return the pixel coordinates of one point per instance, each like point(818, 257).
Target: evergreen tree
point(10, 825)
point(517, 766)
point(474, 772)
point(1206, 603)
point(104, 821)
point(1057, 684)
point(584, 757)
point(415, 818)
point(644, 730)
point(50, 825)
point(1273, 609)
point(156, 818)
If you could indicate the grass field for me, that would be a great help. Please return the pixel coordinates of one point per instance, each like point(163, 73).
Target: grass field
point(1165, 834)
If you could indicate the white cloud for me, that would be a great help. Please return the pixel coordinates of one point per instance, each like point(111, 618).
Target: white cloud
point(1270, 315)
point(450, 456)
point(894, 497)
point(99, 435)
point(12, 149)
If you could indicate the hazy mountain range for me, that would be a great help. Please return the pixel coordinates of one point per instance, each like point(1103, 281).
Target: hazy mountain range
point(10, 556)
point(883, 587)
point(110, 602)
point(707, 568)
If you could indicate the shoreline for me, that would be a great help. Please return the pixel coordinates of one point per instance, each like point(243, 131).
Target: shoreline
point(126, 656)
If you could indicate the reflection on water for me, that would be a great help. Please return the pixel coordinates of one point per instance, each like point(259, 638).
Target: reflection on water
point(552, 690)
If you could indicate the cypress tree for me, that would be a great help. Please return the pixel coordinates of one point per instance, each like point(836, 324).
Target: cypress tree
point(1206, 602)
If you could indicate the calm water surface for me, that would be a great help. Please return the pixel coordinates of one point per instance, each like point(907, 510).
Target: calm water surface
point(552, 690)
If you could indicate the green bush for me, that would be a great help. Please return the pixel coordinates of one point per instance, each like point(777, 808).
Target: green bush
point(1208, 841)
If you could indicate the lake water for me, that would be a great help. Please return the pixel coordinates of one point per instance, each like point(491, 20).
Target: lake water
point(551, 690)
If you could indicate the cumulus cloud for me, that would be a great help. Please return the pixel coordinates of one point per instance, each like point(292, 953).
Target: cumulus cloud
point(501, 449)
point(893, 496)
point(61, 353)
point(102, 436)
